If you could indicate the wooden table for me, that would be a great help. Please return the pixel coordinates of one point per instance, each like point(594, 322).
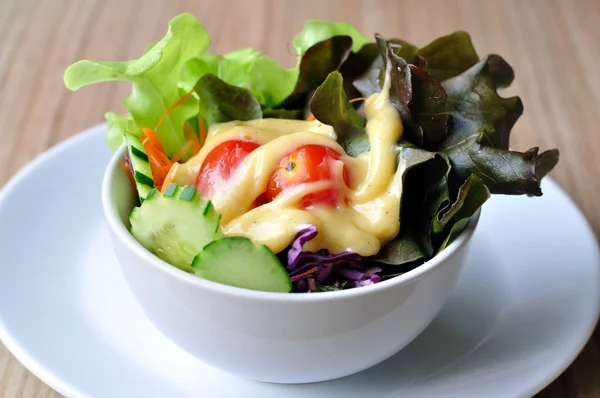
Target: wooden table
point(553, 46)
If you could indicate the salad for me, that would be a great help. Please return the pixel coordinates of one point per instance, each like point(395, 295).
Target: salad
point(358, 164)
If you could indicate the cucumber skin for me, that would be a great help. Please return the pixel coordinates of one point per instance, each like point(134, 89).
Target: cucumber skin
point(173, 228)
point(144, 182)
point(236, 261)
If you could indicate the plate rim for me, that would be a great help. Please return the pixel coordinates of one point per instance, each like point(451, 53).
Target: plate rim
point(26, 359)
point(68, 389)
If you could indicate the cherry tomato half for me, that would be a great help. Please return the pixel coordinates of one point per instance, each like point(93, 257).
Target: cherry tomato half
point(221, 162)
point(306, 164)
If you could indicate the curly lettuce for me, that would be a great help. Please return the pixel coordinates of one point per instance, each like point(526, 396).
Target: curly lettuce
point(155, 81)
point(455, 150)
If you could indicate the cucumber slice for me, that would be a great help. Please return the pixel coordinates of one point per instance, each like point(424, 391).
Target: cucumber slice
point(175, 225)
point(141, 166)
point(235, 261)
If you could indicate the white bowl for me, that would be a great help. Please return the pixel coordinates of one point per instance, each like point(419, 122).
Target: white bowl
point(278, 337)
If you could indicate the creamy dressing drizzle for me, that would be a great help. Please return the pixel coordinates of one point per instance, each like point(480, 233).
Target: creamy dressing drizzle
point(368, 219)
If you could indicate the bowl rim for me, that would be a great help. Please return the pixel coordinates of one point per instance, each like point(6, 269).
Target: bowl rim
point(122, 233)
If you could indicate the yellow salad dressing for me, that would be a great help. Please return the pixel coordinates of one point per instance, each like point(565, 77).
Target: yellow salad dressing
point(369, 217)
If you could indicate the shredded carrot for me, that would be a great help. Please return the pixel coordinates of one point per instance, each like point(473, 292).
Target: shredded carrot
point(299, 276)
point(311, 117)
point(157, 157)
point(361, 111)
point(357, 99)
point(203, 133)
point(182, 152)
point(160, 164)
point(170, 176)
point(153, 139)
point(190, 134)
point(160, 174)
point(175, 105)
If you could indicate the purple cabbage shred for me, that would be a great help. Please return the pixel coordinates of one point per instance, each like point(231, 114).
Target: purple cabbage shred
point(309, 270)
point(129, 164)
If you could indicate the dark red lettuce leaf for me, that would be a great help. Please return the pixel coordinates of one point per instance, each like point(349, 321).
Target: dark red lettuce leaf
point(479, 132)
point(471, 196)
point(429, 109)
point(371, 81)
point(356, 65)
point(422, 172)
point(449, 55)
point(404, 50)
point(282, 113)
point(316, 64)
point(443, 58)
point(222, 102)
point(331, 106)
point(405, 248)
point(454, 151)
point(419, 98)
point(477, 108)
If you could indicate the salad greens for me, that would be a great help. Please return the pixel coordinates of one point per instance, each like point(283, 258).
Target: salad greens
point(331, 106)
point(155, 78)
point(222, 102)
point(454, 152)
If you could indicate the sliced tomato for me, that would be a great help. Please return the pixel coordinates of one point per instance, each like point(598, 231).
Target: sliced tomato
point(221, 162)
point(307, 164)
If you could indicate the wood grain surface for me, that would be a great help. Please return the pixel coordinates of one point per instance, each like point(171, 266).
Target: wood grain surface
point(553, 45)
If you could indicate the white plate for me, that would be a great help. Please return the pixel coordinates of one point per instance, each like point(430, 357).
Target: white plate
point(525, 305)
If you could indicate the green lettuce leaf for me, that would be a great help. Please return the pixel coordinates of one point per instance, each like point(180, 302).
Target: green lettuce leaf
point(315, 31)
point(322, 47)
point(267, 81)
point(331, 106)
point(221, 102)
point(233, 68)
point(154, 79)
point(116, 126)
